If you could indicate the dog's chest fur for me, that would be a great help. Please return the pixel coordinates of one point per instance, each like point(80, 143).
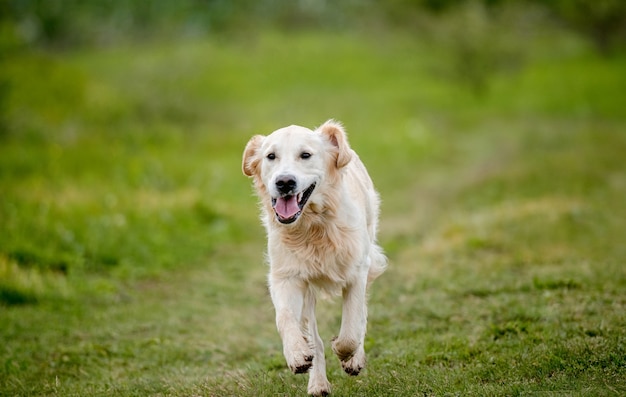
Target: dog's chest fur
point(323, 254)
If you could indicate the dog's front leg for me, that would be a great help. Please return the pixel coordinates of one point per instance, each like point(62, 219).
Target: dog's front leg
point(288, 298)
point(318, 382)
point(348, 346)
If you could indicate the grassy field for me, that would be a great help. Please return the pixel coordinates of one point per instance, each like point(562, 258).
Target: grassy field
point(131, 252)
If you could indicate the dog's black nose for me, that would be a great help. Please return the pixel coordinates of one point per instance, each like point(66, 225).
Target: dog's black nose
point(286, 183)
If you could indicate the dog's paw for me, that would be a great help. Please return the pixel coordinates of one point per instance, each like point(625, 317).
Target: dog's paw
point(344, 349)
point(351, 355)
point(354, 365)
point(300, 363)
point(319, 388)
point(303, 368)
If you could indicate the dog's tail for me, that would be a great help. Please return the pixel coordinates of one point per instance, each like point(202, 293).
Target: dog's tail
point(378, 263)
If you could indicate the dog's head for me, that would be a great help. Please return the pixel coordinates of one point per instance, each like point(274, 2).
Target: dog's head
point(291, 165)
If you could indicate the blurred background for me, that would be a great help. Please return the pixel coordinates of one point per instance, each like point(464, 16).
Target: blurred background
point(71, 24)
point(122, 122)
point(493, 129)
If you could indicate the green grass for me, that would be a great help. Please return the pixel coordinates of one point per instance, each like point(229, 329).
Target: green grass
point(131, 252)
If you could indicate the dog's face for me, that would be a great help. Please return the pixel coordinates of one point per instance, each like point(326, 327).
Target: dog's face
point(291, 166)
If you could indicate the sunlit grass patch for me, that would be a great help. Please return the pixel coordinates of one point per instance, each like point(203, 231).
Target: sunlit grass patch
point(20, 285)
point(484, 229)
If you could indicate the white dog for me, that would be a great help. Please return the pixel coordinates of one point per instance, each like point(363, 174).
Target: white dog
point(320, 210)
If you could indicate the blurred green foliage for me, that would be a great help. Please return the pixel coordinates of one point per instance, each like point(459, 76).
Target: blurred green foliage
point(70, 23)
point(604, 21)
point(483, 37)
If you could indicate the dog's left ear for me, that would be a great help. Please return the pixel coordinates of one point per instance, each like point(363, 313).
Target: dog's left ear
point(334, 132)
point(250, 161)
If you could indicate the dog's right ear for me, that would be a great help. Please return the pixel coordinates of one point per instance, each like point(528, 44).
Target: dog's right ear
point(336, 135)
point(251, 158)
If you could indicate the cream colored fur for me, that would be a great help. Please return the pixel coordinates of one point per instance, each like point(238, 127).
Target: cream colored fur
point(330, 247)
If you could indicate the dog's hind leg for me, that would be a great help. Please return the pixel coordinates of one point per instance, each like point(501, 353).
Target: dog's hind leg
point(318, 382)
point(288, 298)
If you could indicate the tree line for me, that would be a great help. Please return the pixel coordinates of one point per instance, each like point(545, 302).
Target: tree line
point(74, 23)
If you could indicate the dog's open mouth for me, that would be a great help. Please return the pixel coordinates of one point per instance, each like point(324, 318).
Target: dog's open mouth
point(289, 207)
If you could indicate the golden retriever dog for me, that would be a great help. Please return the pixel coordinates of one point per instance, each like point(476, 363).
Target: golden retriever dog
point(320, 211)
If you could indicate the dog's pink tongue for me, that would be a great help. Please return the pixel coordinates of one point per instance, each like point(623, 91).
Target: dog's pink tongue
point(286, 207)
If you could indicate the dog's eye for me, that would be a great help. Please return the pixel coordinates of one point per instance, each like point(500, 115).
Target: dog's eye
point(305, 155)
point(271, 156)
